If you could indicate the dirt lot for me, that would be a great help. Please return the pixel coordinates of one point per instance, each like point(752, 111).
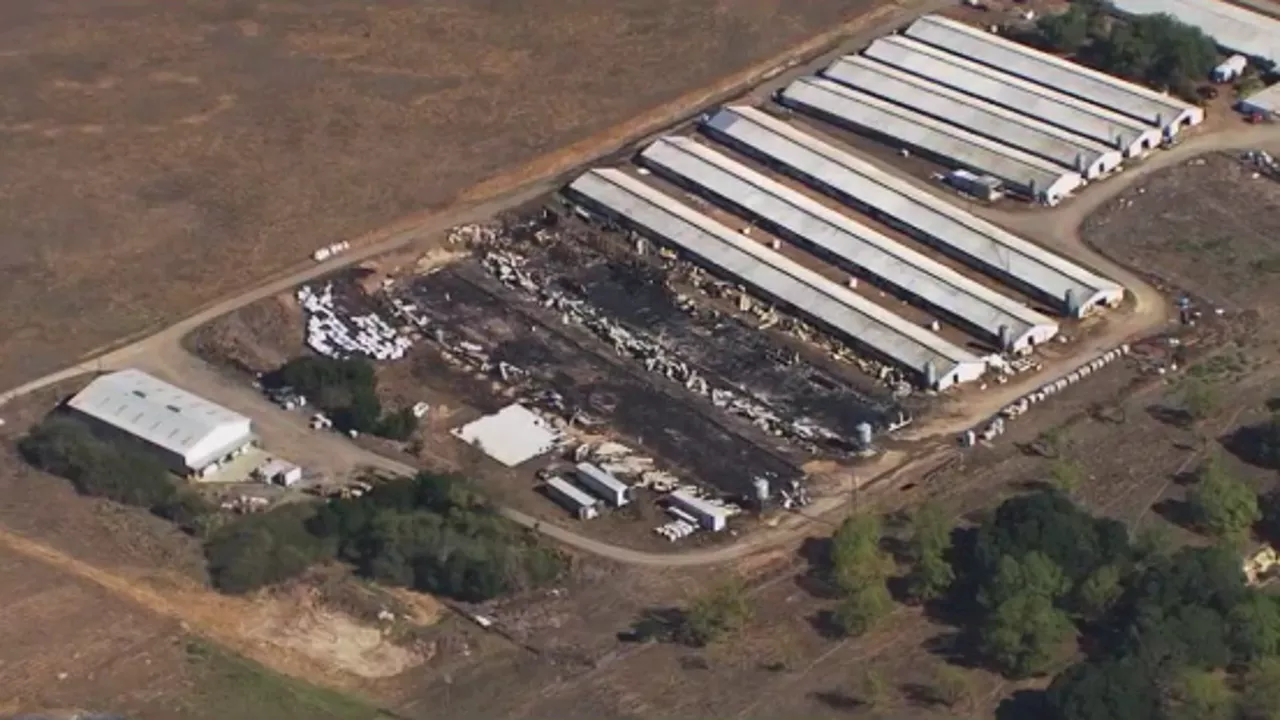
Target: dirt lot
point(160, 155)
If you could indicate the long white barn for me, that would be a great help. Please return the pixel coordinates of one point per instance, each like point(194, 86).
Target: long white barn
point(1130, 136)
point(1023, 173)
point(1087, 157)
point(1161, 111)
point(843, 312)
point(1007, 323)
point(1068, 287)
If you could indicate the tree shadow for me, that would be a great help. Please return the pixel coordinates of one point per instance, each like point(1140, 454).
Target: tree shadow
point(1022, 705)
point(1252, 445)
point(824, 623)
point(837, 700)
point(921, 694)
point(1177, 512)
point(815, 579)
point(654, 625)
point(1172, 416)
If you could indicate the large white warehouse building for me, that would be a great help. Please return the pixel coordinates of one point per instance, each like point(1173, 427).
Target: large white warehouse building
point(1070, 288)
point(1132, 137)
point(844, 313)
point(1088, 157)
point(1034, 177)
point(1161, 111)
point(191, 435)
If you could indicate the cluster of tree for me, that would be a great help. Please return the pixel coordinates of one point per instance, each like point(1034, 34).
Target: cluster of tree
point(1165, 636)
point(720, 613)
point(860, 571)
point(64, 446)
point(433, 533)
point(1154, 49)
point(347, 391)
point(1220, 504)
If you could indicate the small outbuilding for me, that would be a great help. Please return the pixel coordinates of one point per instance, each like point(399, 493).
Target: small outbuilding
point(280, 472)
point(710, 517)
point(603, 484)
point(572, 498)
point(190, 435)
point(1230, 70)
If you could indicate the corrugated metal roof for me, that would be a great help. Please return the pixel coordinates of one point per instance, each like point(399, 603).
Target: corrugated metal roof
point(1011, 92)
point(1267, 100)
point(157, 412)
point(1054, 72)
point(1003, 126)
point(852, 244)
point(1231, 26)
point(1023, 172)
point(571, 492)
point(606, 479)
point(979, 242)
point(842, 311)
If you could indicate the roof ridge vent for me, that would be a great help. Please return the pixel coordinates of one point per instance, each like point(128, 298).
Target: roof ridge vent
point(139, 393)
point(173, 408)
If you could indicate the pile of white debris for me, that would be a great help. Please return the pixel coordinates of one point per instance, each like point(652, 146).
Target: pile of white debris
point(332, 333)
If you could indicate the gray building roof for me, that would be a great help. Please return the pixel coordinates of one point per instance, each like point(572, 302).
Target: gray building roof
point(955, 146)
point(849, 315)
point(1265, 101)
point(163, 415)
point(1167, 113)
point(1231, 26)
point(570, 492)
point(850, 243)
point(1067, 149)
point(1012, 93)
point(848, 178)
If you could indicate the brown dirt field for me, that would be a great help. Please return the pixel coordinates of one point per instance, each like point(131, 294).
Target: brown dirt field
point(160, 155)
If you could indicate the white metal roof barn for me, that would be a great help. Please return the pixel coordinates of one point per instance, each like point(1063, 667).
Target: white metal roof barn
point(1087, 157)
point(1132, 137)
point(1167, 113)
point(1072, 289)
point(850, 316)
point(1231, 26)
point(187, 432)
point(1023, 173)
point(1010, 325)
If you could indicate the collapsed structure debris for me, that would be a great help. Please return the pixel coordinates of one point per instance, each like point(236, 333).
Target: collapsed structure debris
point(333, 333)
point(510, 269)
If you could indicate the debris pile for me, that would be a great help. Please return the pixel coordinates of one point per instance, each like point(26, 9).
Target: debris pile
point(510, 269)
point(332, 334)
point(1263, 162)
point(328, 251)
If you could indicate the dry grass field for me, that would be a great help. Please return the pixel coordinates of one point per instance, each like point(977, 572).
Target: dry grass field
point(159, 154)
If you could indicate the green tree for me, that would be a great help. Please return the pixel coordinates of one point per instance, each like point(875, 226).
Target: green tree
point(870, 688)
point(1221, 504)
point(118, 471)
point(861, 608)
point(1033, 574)
point(1200, 695)
point(1024, 635)
point(1109, 690)
point(1067, 475)
point(1254, 627)
point(931, 574)
point(1260, 690)
point(1099, 592)
point(856, 556)
point(722, 612)
point(1065, 32)
point(1199, 399)
point(258, 550)
point(951, 687)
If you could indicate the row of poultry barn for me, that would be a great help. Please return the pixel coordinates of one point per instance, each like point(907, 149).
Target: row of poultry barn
point(970, 99)
point(765, 202)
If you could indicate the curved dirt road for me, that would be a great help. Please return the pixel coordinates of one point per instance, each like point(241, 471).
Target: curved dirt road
point(1058, 228)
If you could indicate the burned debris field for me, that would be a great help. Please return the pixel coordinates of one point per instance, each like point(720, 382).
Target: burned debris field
point(583, 326)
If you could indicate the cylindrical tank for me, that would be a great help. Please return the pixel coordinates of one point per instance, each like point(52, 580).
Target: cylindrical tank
point(864, 434)
point(762, 491)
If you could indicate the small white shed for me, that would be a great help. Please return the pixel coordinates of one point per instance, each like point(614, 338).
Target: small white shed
point(1230, 69)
